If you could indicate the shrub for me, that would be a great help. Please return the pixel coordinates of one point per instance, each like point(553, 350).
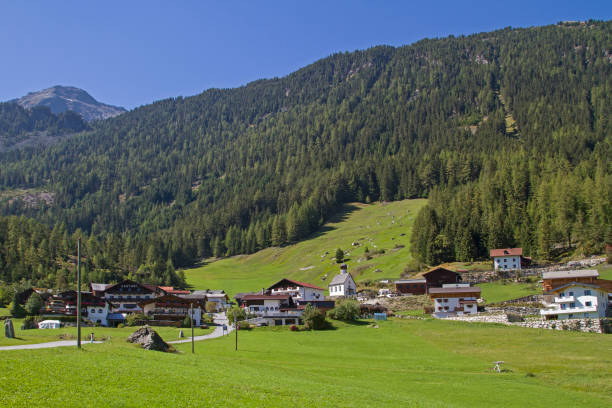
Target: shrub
point(16, 309)
point(244, 325)
point(313, 318)
point(34, 304)
point(294, 328)
point(339, 255)
point(239, 312)
point(134, 319)
point(346, 310)
point(186, 322)
point(211, 307)
point(515, 318)
point(29, 323)
point(120, 326)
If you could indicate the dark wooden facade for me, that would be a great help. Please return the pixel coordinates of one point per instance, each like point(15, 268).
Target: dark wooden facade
point(440, 276)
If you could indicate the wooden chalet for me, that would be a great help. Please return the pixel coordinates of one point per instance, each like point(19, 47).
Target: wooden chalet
point(458, 299)
point(437, 277)
point(171, 308)
point(127, 294)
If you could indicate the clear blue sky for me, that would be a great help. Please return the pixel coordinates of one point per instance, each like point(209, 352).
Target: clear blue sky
point(131, 53)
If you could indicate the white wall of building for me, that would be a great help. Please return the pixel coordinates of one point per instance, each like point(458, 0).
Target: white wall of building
point(343, 289)
point(97, 314)
point(449, 305)
point(577, 302)
point(507, 262)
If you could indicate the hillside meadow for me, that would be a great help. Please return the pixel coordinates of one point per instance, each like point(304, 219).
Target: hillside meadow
point(380, 226)
point(408, 363)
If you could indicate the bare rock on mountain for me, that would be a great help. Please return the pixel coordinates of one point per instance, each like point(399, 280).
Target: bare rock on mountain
point(62, 98)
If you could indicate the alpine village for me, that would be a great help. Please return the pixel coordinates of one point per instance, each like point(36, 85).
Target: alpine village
point(419, 225)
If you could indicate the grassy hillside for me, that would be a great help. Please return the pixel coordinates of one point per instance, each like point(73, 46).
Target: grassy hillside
point(377, 226)
point(403, 363)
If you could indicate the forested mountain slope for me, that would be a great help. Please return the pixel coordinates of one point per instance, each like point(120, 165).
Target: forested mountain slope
point(21, 127)
point(235, 170)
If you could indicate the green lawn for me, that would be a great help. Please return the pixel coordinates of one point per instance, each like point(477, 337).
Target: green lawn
point(4, 311)
point(605, 271)
point(69, 333)
point(403, 363)
point(376, 226)
point(498, 291)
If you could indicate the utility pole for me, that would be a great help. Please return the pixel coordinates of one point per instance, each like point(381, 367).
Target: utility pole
point(236, 329)
point(192, 339)
point(79, 293)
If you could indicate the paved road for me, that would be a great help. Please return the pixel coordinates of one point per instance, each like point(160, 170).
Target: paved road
point(220, 319)
point(63, 343)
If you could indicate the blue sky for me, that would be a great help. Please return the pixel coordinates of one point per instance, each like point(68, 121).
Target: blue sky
point(131, 53)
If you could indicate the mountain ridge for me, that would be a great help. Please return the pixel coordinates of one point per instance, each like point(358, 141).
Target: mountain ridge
point(61, 98)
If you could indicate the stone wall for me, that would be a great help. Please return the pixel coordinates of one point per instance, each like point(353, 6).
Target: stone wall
point(520, 310)
point(582, 325)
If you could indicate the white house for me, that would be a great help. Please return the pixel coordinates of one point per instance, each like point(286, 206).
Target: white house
point(454, 300)
point(299, 291)
point(507, 258)
point(575, 300)
point(342, 284)
point(98, 313)
point(273, 309)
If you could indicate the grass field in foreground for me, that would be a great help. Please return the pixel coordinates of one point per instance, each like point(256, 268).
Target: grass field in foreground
point(403, 363)
point(377, 226)
point(69, 333)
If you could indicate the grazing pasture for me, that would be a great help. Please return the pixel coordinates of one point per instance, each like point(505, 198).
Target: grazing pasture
point(420, 363)
point(379, 227)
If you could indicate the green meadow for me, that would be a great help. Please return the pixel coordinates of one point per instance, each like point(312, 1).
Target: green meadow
point(100, 333)
point(498, 291)
point(380, 226)
point(402, 363)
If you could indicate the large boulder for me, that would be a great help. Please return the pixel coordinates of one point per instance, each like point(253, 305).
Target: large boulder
point(148, 339)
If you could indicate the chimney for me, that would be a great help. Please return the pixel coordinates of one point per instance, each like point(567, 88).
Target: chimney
point(343, 268)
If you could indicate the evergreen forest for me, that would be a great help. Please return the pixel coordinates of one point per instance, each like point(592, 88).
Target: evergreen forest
point(507, 133)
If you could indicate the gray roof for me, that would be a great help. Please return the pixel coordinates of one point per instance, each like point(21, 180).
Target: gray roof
point(471, 289)
point(341, 278)
point(583, 273)
point(411, 281)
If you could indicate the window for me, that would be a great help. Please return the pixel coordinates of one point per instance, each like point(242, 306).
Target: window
point(570, 316)
point(587, 292)
point(439, 308)
point(561, 294)
point(588, 304)
point(445, 300)
point(563, 306)
point(572, 305)
point(571, 293)
point(445, 307)
point(99, 310)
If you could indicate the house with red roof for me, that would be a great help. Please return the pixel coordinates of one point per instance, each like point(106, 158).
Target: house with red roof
point(299, 291)
point(509, 259)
